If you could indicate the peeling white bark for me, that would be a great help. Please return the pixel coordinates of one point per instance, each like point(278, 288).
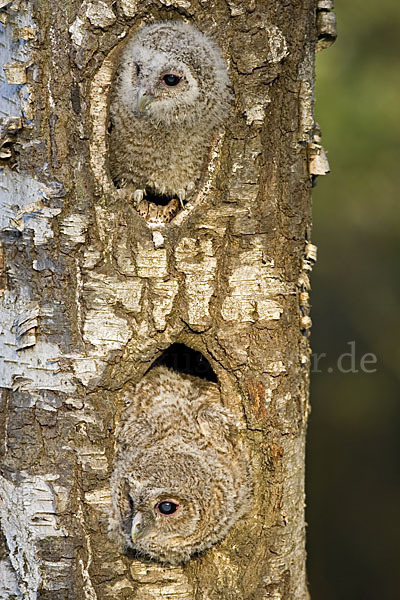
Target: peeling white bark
point(22, 207)
point(175, 582)
point(8, 581)
point(27, 514)
point(129, 7)
point(27, 364)
point(15, 55)
point(251, 286)
point(197, 261)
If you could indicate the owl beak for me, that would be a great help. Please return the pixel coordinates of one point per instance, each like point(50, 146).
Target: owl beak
point(137, 526)
point(144, 98)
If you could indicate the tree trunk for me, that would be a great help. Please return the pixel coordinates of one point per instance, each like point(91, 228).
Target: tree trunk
point(91, 296)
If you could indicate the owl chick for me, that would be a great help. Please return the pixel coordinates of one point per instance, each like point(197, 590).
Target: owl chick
point(169, 98)
point(182, 477)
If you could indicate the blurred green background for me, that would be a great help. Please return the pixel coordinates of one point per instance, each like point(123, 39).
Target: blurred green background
point(353, 474)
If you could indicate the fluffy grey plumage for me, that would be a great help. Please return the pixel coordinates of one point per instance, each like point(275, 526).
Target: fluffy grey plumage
point(169, 98)
point(182, 477)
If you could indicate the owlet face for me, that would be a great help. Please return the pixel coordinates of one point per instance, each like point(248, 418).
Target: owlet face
point(161, 86)
point(177, 509)
point(172, 73)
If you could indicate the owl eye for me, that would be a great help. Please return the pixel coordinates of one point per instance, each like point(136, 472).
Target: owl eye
point(167, 507)
point(137, 69)
point(171, 80)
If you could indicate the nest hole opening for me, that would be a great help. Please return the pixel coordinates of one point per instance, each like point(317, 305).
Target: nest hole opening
point(158, 199)
point(183, 359)
point(155, 207)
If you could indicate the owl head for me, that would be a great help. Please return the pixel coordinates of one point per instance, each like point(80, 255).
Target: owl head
point(185, 502)
point(182, 477)
point(167, 517)
point(173, 73)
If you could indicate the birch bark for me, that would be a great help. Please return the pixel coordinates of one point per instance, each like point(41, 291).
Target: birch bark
point(90, 297)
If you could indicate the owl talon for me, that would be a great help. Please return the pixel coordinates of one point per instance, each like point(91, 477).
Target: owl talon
point(138, 196)
point(181, 196)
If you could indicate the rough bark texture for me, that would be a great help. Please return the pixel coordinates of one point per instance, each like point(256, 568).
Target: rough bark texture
point(90, 297)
